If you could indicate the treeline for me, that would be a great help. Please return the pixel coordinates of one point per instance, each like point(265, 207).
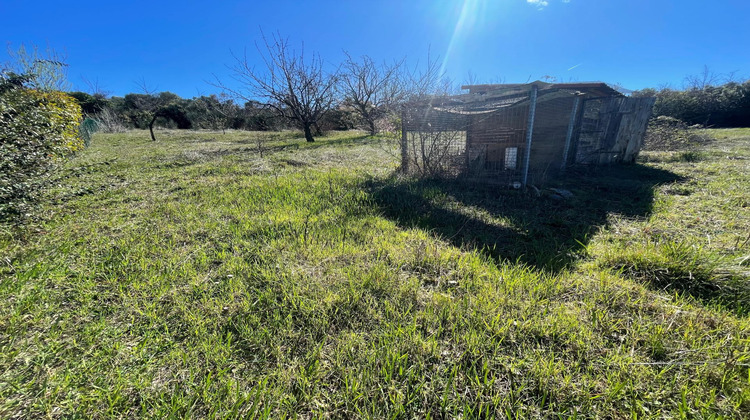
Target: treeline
point(725, 105)
point(212, 112)
point(703, 103)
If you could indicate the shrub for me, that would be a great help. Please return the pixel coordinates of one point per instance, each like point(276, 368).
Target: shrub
point(667, 133)
point(36, 130)
point(108, 121)
point(727, 105)
point(90, 104)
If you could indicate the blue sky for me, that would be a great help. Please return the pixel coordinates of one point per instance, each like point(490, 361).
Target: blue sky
point(178, 46)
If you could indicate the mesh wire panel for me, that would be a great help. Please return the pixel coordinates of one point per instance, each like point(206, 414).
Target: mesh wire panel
point(548, 143)
point(436, 152)
point(435, 142)
point(487, 146)
point(591, 131)
point(475, 141)
point(496, 143)
point(484, 146)
point(87, 128)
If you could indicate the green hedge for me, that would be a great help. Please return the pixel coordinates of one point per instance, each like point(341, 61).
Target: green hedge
point(37, 129)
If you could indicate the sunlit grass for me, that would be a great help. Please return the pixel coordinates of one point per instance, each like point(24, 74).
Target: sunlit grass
point(256, 275)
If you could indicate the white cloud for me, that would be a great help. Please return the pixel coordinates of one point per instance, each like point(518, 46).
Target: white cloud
point(538, 3)
point(541, 4)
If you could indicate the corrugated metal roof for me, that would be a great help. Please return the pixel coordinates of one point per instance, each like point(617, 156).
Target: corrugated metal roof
point(488, 98)
point(586, 88)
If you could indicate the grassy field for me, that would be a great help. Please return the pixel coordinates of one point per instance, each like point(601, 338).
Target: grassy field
point(219, 276)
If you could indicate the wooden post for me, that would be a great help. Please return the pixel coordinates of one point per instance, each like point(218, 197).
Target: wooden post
point(529, 133)
point(569, 136)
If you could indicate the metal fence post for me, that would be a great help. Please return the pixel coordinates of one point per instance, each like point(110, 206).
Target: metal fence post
point(404, 145)
point(569, 137)
point(529, 133)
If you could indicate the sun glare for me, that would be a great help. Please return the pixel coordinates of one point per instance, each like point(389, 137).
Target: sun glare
point(472, 12)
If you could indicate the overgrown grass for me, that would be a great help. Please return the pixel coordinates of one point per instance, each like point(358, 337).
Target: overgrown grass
point(210, 275)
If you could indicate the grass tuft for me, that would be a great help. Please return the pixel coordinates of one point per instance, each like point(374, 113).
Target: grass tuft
point(683, 268)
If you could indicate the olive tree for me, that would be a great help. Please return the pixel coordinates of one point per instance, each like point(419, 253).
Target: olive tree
point(150, 106)
point(216, 112)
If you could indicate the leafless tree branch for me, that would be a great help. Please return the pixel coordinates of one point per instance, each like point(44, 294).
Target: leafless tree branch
point(371, 90)
point(297, 88)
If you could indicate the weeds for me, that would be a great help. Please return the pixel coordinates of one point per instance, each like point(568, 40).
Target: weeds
point(667, 133)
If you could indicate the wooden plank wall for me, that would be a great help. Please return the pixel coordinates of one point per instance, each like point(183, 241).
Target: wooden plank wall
point(611, 130)
point(611, 117)
point(491, 133)
point(633, 128)
point(590, 131)
point(487, 140)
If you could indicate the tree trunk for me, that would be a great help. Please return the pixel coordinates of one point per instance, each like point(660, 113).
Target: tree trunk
point(371, 126)
point(308, 133)
point(151, 127)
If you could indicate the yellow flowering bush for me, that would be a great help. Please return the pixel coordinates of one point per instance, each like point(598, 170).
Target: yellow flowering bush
point(37, 129)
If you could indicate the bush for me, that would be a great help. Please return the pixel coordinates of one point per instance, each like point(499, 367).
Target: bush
point(36, 130)
point(667, 133)
point(108, 121)
point(727, 105)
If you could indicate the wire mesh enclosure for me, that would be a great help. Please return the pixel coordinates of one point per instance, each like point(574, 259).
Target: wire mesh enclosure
point(519, 134)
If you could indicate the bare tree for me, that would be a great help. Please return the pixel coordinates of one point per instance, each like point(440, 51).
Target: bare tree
point(149, 103)
point(429, 150)
point(108, 121)
point(371, 90)
point(429, 81)
point(701, 81)
point(470, 79)
point(702, 88)
point(94, 88)
point(297, 88)
point(48, 68)
point(433, 152)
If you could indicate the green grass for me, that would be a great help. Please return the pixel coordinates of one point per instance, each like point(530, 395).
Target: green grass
point(205, 275)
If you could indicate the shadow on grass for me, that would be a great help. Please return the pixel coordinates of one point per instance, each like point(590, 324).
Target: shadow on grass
point(542, 232)
point(299, 141)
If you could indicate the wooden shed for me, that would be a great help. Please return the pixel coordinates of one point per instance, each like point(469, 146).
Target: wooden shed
point(522, 133)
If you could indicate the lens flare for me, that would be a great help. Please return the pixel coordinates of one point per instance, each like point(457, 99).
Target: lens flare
point(469, 18)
